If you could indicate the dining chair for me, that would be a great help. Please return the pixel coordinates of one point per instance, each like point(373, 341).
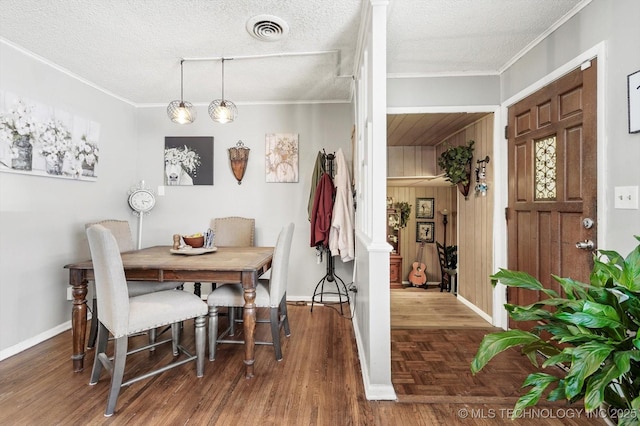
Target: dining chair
point(232, 231)
point(123, 316)
point(122, 233)
point(271, 293)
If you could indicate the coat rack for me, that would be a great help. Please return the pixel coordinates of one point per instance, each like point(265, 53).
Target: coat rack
point(330, 275)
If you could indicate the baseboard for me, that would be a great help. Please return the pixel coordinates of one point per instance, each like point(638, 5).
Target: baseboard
point(33, 341)
point(475, 309)
point(372, 392)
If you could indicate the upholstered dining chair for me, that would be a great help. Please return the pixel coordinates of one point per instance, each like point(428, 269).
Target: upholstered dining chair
point(122, 316)
point(271, 293)
point(122, 233)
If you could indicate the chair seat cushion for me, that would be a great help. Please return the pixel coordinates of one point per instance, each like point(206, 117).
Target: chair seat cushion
point(162, 308)
point(233, 295)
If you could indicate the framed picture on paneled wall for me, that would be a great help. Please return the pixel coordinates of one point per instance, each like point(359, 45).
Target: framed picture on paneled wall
point(424, 208)
point(425, 231)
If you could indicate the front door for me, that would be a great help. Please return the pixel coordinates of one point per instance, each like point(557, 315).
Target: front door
point(552, 183)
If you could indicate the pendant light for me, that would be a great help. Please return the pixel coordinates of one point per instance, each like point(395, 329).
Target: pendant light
point(181, 112)
point(220, 110)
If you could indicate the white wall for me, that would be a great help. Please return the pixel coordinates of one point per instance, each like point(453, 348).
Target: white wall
point(42, 219)
point(189, 209)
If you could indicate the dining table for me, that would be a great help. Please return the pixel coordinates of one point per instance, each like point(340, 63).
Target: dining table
point(241, 265)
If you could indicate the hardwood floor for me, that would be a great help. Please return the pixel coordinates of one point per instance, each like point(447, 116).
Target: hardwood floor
point(319, 382)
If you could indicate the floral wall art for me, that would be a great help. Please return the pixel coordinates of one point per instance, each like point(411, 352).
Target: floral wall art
point(281, 153)
point(188, 160)
point(40, 140)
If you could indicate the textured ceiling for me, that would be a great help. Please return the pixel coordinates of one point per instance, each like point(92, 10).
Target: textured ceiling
point(132, 49)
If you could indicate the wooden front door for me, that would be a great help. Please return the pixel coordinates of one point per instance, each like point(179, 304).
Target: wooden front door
point(552, 182)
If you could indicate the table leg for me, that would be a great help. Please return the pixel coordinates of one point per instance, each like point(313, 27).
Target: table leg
point(78, 317)
point(249, 283)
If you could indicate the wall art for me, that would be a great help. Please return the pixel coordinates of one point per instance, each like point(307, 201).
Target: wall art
point(424, 208)
point(633, 92)
point(281, 157)
point(188, 160)
point(425, 231)
point(41, 140)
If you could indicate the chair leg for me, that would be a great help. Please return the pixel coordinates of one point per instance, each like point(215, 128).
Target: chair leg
point(94, 324)
point(120, 358)
point(275, 332)
point(213, 331)
point(200, 344)
point(232, 320)
point(285, 315)
point(101, 347)
point(175, 338)
point(152, 338)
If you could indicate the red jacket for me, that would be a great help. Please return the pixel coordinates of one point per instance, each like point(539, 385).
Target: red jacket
point(321, 212)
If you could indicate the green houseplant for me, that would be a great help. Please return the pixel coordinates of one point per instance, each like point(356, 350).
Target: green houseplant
point(456, 163)
point(405, 212)
point(596, 325)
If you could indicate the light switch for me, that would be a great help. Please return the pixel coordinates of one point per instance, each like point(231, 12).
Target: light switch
point(626, 197)
point(161, 191)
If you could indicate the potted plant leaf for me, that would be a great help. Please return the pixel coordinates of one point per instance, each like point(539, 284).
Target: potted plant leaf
point(590, 330)
point(456, 163)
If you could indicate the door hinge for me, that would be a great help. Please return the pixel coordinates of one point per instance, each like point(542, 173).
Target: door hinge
point(506, 132)
point(506, 214)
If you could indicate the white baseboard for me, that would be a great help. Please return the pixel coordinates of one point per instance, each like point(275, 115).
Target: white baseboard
point(475, 309)
point(24, 345)
point(372, 392)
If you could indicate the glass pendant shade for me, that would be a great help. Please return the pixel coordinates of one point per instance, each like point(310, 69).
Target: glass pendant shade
point(181, 112)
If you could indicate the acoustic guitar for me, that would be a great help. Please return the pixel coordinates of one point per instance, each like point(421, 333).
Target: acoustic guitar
point(418, 275)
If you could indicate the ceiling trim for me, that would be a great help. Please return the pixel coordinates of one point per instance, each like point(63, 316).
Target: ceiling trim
point(63, 70)
point(444, 74)
point(570, 14)
point(439, 109)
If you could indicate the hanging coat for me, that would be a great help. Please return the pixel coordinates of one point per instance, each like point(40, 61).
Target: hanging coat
point(321, 213)
point(318, 170)
point(341, 235)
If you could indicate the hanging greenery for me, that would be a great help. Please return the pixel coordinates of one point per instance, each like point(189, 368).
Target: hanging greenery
point(456, 163)
point(405, 211)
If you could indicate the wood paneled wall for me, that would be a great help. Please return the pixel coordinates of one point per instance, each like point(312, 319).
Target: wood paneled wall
point(444, 198)
point(475, 221)
point(470, 221)
point(411, 161)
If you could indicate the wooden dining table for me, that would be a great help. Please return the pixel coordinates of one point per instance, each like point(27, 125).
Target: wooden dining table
point(241, 265)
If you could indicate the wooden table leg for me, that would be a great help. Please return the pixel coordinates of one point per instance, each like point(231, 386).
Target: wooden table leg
point(249, 282)
point(78, 317)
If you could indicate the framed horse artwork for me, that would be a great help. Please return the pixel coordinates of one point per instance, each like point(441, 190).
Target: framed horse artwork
point(188, 160)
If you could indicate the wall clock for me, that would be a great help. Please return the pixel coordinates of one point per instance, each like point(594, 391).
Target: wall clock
point(141, 200)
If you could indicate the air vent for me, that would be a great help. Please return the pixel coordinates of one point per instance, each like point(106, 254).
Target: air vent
point(267, 27)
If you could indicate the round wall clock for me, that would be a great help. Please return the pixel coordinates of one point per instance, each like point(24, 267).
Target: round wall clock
point(142, 200)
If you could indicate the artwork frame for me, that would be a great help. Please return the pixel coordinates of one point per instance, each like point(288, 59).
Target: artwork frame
point(425, 231)
point(188, 160)
point(424, 208)
point(281, 157)
point(43, 140)
point(633, 96)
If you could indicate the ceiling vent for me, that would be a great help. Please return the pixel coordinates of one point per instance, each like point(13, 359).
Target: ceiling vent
point(267, 27)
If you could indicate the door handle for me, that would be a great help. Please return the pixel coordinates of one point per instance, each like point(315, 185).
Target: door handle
point(585, 245)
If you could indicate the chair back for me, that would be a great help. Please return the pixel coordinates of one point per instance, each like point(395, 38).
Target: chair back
point(111, 284)
point(233, 231)
point(441, 257)
point(120, 230)
point(280, 265)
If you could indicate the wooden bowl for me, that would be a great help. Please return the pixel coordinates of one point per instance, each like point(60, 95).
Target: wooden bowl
point(195, 242)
